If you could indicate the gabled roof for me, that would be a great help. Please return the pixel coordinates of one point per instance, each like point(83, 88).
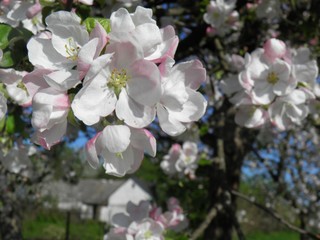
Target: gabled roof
point(88, 191)
point(95, 191)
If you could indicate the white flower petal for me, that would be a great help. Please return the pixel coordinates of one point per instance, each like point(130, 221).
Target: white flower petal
point(116, 138)
point(133, 113)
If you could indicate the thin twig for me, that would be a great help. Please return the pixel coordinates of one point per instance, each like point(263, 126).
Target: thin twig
point(276, 216)
point(199, 231)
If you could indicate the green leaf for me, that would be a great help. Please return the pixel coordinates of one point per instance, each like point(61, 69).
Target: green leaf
point(204, 162)
point(4, 35)
point(45, 3)
point(2, 123)
point(7, 59)
point(10, 124)
point(90, 23)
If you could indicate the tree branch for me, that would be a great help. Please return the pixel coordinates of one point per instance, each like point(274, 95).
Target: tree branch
point(276, 216)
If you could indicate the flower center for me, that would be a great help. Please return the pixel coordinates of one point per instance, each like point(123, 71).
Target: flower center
point(148, 234)
point(119, 155)
point(34, 21)
point(272, 78)
point(72, 49)
point(118, 80)
point(23, 87)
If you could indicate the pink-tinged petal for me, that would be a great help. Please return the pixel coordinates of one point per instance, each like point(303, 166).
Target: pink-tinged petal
point(144, 83)
point(142, 15)
point(63, 80)
point(121, 21)
point(91, 152)
point(169, 124)
point(42, 54)
point(168, 46)
point(116, 138)
point(193, 109)
point(165, 67)
point(144, 140)
point(86, 56)
point(100, 33)
point(50, 137)
point(274, 48)
point(35, 81)
point(134, 114)
point(49, 108)
point(63, 18)
point(125, 53)
point(174, 95)
point(34, 10)
point(191, 72)
point(148, 36)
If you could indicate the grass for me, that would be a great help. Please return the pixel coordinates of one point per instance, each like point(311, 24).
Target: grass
point(52, 226)
point(273, 236)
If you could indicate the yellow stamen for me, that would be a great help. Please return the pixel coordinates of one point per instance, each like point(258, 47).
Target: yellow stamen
point(272, 78)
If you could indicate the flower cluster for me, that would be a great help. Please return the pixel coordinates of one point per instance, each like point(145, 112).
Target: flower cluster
point(144, 221)
point(117, 73)
point(276, 84)
point(181, 159)
point(222, 17)
point(27, 12)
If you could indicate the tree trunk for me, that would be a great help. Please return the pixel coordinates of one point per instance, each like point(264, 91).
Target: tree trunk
point(226, 172)
point(10, 219)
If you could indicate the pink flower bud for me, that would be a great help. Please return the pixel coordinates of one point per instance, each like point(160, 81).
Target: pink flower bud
point(274, 48)
point(33, 10)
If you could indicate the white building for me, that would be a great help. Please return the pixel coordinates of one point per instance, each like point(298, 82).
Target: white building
point(96, 198)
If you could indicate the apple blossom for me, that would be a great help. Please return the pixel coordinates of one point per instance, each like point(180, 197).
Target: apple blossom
point(121, 147)
point(15, 86)
point(180, 103)
point(67, 45)
point(49, 118)
point(145, 222)
point(157, 44)
point(221, 16)
point(289, 109)
point(120, 81)
point(269, 9)
point(181, 159)
point(275, 84)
